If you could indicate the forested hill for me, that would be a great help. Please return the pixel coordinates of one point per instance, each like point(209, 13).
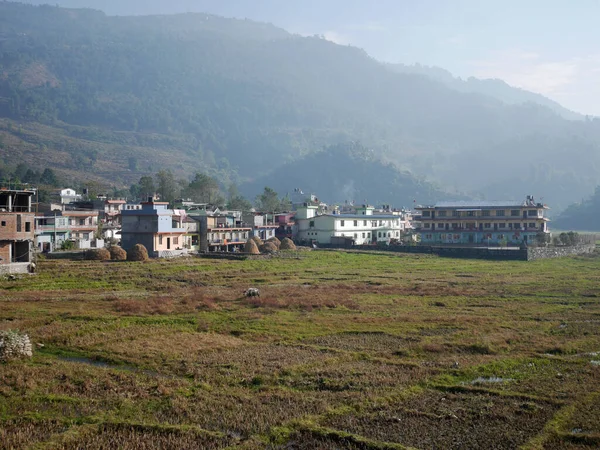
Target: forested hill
point(582, 216)
point(122, 95)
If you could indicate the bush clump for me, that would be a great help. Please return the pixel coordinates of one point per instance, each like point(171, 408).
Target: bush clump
point(275, 241)
point(117, 253)
point(137, 253)
point(14, 345)
point(98, 254)
point(251, 247)
point(287, 244)
point(268, 248)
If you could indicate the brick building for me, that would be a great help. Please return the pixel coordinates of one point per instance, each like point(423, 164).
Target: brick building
point(16, 226)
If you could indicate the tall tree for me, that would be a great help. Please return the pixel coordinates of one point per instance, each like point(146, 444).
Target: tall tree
point(49, 177)
point(167, 187)
point(145, 188)
point(268, 201)
point(204, 189)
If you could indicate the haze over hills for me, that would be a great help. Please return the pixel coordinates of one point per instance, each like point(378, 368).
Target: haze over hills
point(196, 92)
point(495, 88)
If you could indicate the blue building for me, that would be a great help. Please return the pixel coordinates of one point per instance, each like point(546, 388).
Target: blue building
point(154, 226)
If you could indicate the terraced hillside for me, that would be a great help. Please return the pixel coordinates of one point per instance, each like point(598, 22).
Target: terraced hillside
point(350, 350)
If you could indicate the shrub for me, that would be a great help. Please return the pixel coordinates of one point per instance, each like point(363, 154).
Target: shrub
point(251, 247)
point(268, 247)
point(14, 345)
point(117, 253)
point(275, 241)
point(137, 253)
point(287, 244)
point(98, 254)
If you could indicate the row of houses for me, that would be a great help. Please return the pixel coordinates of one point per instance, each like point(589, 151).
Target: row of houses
point(202, 228)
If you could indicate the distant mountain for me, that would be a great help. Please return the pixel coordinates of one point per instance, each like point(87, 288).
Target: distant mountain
point(349, 172)
point(581, 216)
point(112, 97)
point(495, 88)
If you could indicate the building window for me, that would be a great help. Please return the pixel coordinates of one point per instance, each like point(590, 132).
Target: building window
point(397, 233)
point(440, 225)
point(363, 235)
point(160, 240)
point(356, 223)
point(502, 225)
point(355, 236)
point(532, 225)
point(176, 241)
point(488, 225)
point(311, 224)
point(27, 227)
point(426, 214)
point(485, 213)
point(342, 223)
point(427, 225)
point(499, 213)
point(3, 223)
point(369, 235)
point(514, 213)
point(517, 226)
point(379, 234)
point(532, 213)
point(471, 213)
point(364, 223)
point(455, 214)
point(441, 213)
point(428, 236)
point(389, 234)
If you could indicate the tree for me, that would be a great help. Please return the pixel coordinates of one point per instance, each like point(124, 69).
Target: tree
point(145, 188)
point(285, 204)
point(204, 189)
point(268, 201)
point(49, 177)
point(167, 186)
point(235, 201)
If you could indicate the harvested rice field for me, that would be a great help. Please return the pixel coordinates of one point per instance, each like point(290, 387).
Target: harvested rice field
point(350, 350)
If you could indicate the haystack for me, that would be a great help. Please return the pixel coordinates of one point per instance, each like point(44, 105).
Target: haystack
point(137, 253)
point(287, 244)
point(268, 247)
point(98, 254)
point(258, 240)
point(275, 241)
point(117, 253)
point(251, 247)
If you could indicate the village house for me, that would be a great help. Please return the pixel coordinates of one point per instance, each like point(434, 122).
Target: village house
point(483, 222)
point(17, 220)
point(358, 228)
point(262, 224)
point(286, 224)
point(65, 196)
point(222, 232)
point(154, 226)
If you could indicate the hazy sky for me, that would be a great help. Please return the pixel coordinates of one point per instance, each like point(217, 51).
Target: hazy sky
point(546, 46)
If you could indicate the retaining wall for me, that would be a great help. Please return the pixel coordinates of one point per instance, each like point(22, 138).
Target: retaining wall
point(534, 253)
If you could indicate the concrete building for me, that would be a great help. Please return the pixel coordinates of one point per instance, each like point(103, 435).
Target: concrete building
point(483, 223)
point(263, 225)
point(222, 233)
point(358, 228)
point(154, 226)
point(17, 220)
point(66, 196)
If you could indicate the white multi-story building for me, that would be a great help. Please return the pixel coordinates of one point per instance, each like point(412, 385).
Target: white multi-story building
point(361, 227)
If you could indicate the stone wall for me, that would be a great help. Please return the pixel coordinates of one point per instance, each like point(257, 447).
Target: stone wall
point(14, 268)
point(534, 253)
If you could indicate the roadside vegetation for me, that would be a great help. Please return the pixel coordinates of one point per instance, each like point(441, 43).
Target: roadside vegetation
point(351, 350)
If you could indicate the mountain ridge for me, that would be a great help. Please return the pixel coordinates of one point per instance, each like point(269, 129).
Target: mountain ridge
point(222, 102)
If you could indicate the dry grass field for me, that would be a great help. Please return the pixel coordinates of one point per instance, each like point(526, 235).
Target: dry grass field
point(341, 350)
